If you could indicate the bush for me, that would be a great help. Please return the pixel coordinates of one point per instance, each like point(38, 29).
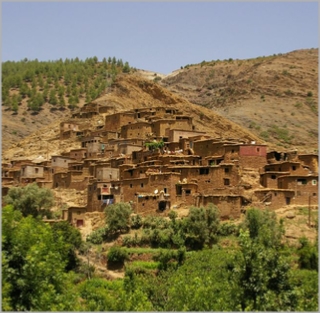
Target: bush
point(170, 258)
point(98, 236)
point(136, 221)
point(117, 255)
point(227, 229)
point(308, 255)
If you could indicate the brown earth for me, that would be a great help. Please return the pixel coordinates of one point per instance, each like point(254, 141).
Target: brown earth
point(267, 95)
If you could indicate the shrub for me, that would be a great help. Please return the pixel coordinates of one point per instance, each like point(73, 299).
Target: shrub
point(136, 221)
point(117, 255)
point(227, 229)
point(98, 236)
point(308, 255)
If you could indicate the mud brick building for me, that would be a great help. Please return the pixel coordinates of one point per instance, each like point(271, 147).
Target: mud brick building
point(60, 163)
point(112, 164)
point(137, 129)
point(78, 154)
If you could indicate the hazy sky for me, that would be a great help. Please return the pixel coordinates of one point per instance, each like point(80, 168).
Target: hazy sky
point(156, 36)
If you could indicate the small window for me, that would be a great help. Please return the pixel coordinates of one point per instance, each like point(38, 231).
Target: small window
point(188, 192)
point(226, 181)
point(130, 185)
point(204, 171)
point(258, 149)
point(302, 181)
point(273, 176)
point(36, 170)
point(226, 169)
point(293, 168)
point(314, 182)
point(141, 185)
point(314, 194)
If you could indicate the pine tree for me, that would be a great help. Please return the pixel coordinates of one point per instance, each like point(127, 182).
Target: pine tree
point(52, 97)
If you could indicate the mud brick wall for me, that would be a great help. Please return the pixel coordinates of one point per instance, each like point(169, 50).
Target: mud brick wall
point(274, 199)
point(228, 206)
point(130, 188)
point(270, 179)
point(115, 121)
point(311, 161)
point(140, 130)
point(146, 205)
point(305, 188)
point(206, 148)
point(32, 171)
point(103, 173)
point(60, 180)
point(78, 154)
point(160, 128)
point(93, 204)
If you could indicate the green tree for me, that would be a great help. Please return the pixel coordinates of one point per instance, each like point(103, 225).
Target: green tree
point(308, 254)
point(118, 217)
point(62, 102)
point(126, 68)
point(103, 295)
point(201, 226)
point(33, 271)
point(203, 283)
point(24, 90)
point(31, 200)
point(262, 271)
point(71, 236)
point(52, 97)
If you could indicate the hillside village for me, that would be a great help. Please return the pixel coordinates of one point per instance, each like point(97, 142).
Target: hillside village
point(156, 160)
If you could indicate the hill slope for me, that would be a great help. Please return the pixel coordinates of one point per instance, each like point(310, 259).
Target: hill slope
point(272, 98)
point(276, 97)
point(128, 92)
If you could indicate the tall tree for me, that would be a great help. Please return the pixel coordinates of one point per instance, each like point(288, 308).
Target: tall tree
point(30, 200)
point(33, 273)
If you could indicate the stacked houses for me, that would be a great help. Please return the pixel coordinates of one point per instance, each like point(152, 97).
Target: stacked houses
point(156, 160)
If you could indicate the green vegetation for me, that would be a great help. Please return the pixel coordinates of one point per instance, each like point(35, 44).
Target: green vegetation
point(31, 200)
point(193, 271)
point(281, 134)
point(117, 255)
point(57, 82)
point(118, 217)
point(312, 104)
point(154, 145)
point(34, 265)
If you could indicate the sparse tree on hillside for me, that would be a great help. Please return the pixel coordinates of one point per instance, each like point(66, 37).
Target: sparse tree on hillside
point(52, 97)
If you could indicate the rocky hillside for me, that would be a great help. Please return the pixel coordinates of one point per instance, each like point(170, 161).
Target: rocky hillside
point(275, 97)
